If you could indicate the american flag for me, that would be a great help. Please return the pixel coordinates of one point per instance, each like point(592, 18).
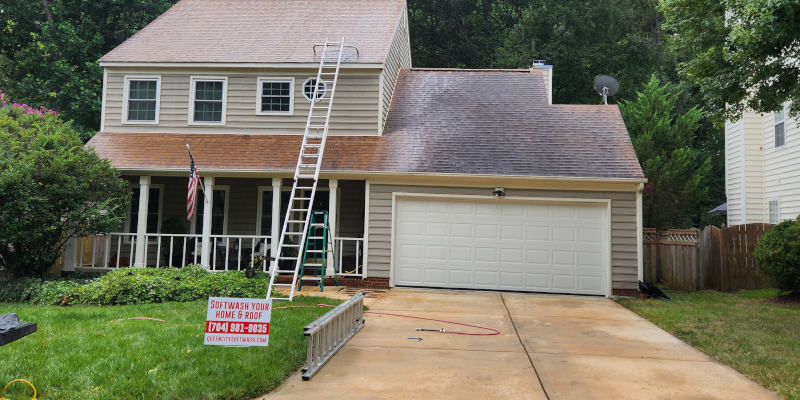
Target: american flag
point(191, 197)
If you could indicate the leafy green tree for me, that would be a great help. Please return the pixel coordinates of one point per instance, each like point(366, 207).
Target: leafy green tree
point(740, 53)
point(463, 33)
point(664, 142)
point(50, 50)
point(52, 189)
point(583, 38)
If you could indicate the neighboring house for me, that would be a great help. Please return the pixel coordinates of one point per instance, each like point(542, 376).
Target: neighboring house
point(762, 168)
point(433, 177)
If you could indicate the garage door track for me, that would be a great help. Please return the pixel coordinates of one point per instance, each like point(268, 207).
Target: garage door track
point(550, 347)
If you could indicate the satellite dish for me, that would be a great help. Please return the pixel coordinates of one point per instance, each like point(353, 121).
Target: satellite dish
point(606, 85)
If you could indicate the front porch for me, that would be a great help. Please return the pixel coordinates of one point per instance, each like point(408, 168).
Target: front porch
point(244, 223)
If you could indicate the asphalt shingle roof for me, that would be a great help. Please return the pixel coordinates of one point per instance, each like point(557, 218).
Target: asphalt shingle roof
point(483, 122)
point(262, 31)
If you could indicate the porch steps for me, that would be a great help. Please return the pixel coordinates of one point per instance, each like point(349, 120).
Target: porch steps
point(309, 161)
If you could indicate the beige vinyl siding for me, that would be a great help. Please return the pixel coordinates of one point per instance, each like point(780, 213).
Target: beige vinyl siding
point(782, 167)
point(399, 57)
point(623, 225)
point(355, 106)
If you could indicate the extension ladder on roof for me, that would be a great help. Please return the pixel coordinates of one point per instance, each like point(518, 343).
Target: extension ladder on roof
point(306, 174)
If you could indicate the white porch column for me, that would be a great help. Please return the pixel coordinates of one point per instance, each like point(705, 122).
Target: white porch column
point(277, 224)
point(208, 203)
point(364, 250)
point(333, 185)
point(141, 222)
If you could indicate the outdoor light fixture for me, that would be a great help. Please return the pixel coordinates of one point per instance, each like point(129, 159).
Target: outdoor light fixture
point(499, 192)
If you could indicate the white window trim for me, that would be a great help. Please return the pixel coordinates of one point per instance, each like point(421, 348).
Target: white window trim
point(775, 123)
point(303, 88)
point(193, 87)
point(778, 210)
point(126, 93)
point(259, 91)
point(131, 187)
point(227, 190)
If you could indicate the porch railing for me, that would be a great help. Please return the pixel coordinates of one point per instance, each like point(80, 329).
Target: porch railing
point(350, 254)
point(228, 252)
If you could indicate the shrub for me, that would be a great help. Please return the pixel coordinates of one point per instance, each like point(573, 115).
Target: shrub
point(778, 255)
point(135, 286)
point(52, 189)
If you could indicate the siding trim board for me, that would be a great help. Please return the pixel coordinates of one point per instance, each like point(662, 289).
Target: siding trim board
point(623, 249)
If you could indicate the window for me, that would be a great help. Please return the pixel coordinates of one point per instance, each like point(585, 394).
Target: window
point(275, 96)
point(780, 133)
point(774, 212)
point(309, 86)
point(141, 100)
point(265, 210)
point(153, 211)
point(218, 214)
point(208, 100)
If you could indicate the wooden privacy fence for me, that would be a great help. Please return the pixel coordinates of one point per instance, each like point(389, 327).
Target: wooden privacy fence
point(714, 258)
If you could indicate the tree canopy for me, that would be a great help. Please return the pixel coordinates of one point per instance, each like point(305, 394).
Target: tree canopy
point(50, 48)
point(739, 53)
point(52, 189)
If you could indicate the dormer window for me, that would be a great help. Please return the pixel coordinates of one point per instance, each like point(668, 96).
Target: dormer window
point(780, 132)
point(275, 96)
point(208, 99)
point(309, 86)
point(141, 100)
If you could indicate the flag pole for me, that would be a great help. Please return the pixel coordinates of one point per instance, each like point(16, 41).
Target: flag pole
point(191, 156)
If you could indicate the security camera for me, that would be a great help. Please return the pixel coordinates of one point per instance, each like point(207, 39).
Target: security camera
point(499, 192)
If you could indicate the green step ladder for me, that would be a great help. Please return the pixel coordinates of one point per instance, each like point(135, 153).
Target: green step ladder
point(315, 253)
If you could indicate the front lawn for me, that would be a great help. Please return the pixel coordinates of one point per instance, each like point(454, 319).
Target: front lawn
point(743, 330)
point(93, 352)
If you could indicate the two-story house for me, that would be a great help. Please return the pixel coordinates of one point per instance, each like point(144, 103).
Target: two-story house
point(762, 171)
point(432, 177)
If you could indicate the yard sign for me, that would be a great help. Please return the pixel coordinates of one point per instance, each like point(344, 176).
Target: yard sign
point(237, 322)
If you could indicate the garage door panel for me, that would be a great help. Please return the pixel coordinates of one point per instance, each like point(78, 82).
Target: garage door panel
point(555, 247)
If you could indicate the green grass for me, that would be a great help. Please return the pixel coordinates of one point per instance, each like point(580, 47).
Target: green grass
point(79, 353)
point(760, 339)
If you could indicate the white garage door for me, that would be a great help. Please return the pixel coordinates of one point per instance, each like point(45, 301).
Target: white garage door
point(501, 245)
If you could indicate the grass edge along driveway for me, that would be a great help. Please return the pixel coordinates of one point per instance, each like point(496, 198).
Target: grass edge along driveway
point(758, 338)
point(81, 352)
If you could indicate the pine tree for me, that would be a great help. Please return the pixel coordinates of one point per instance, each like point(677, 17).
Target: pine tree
point(664, 142)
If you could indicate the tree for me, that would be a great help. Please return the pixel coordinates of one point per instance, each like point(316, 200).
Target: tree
point(740, 53)
point(664, 142)
point(50, 50)
point(52, 188)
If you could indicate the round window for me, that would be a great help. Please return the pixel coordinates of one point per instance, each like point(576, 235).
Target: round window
point(308, 88)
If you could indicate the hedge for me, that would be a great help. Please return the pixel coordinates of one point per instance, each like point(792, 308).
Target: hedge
point(135, 286)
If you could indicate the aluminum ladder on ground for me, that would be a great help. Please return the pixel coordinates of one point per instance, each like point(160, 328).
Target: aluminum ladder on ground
point(315, 254)
point(306, 174)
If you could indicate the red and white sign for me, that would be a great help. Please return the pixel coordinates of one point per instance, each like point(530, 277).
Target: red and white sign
point(237, 322)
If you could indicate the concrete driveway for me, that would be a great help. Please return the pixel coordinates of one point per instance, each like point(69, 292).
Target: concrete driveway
point(550, 347)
